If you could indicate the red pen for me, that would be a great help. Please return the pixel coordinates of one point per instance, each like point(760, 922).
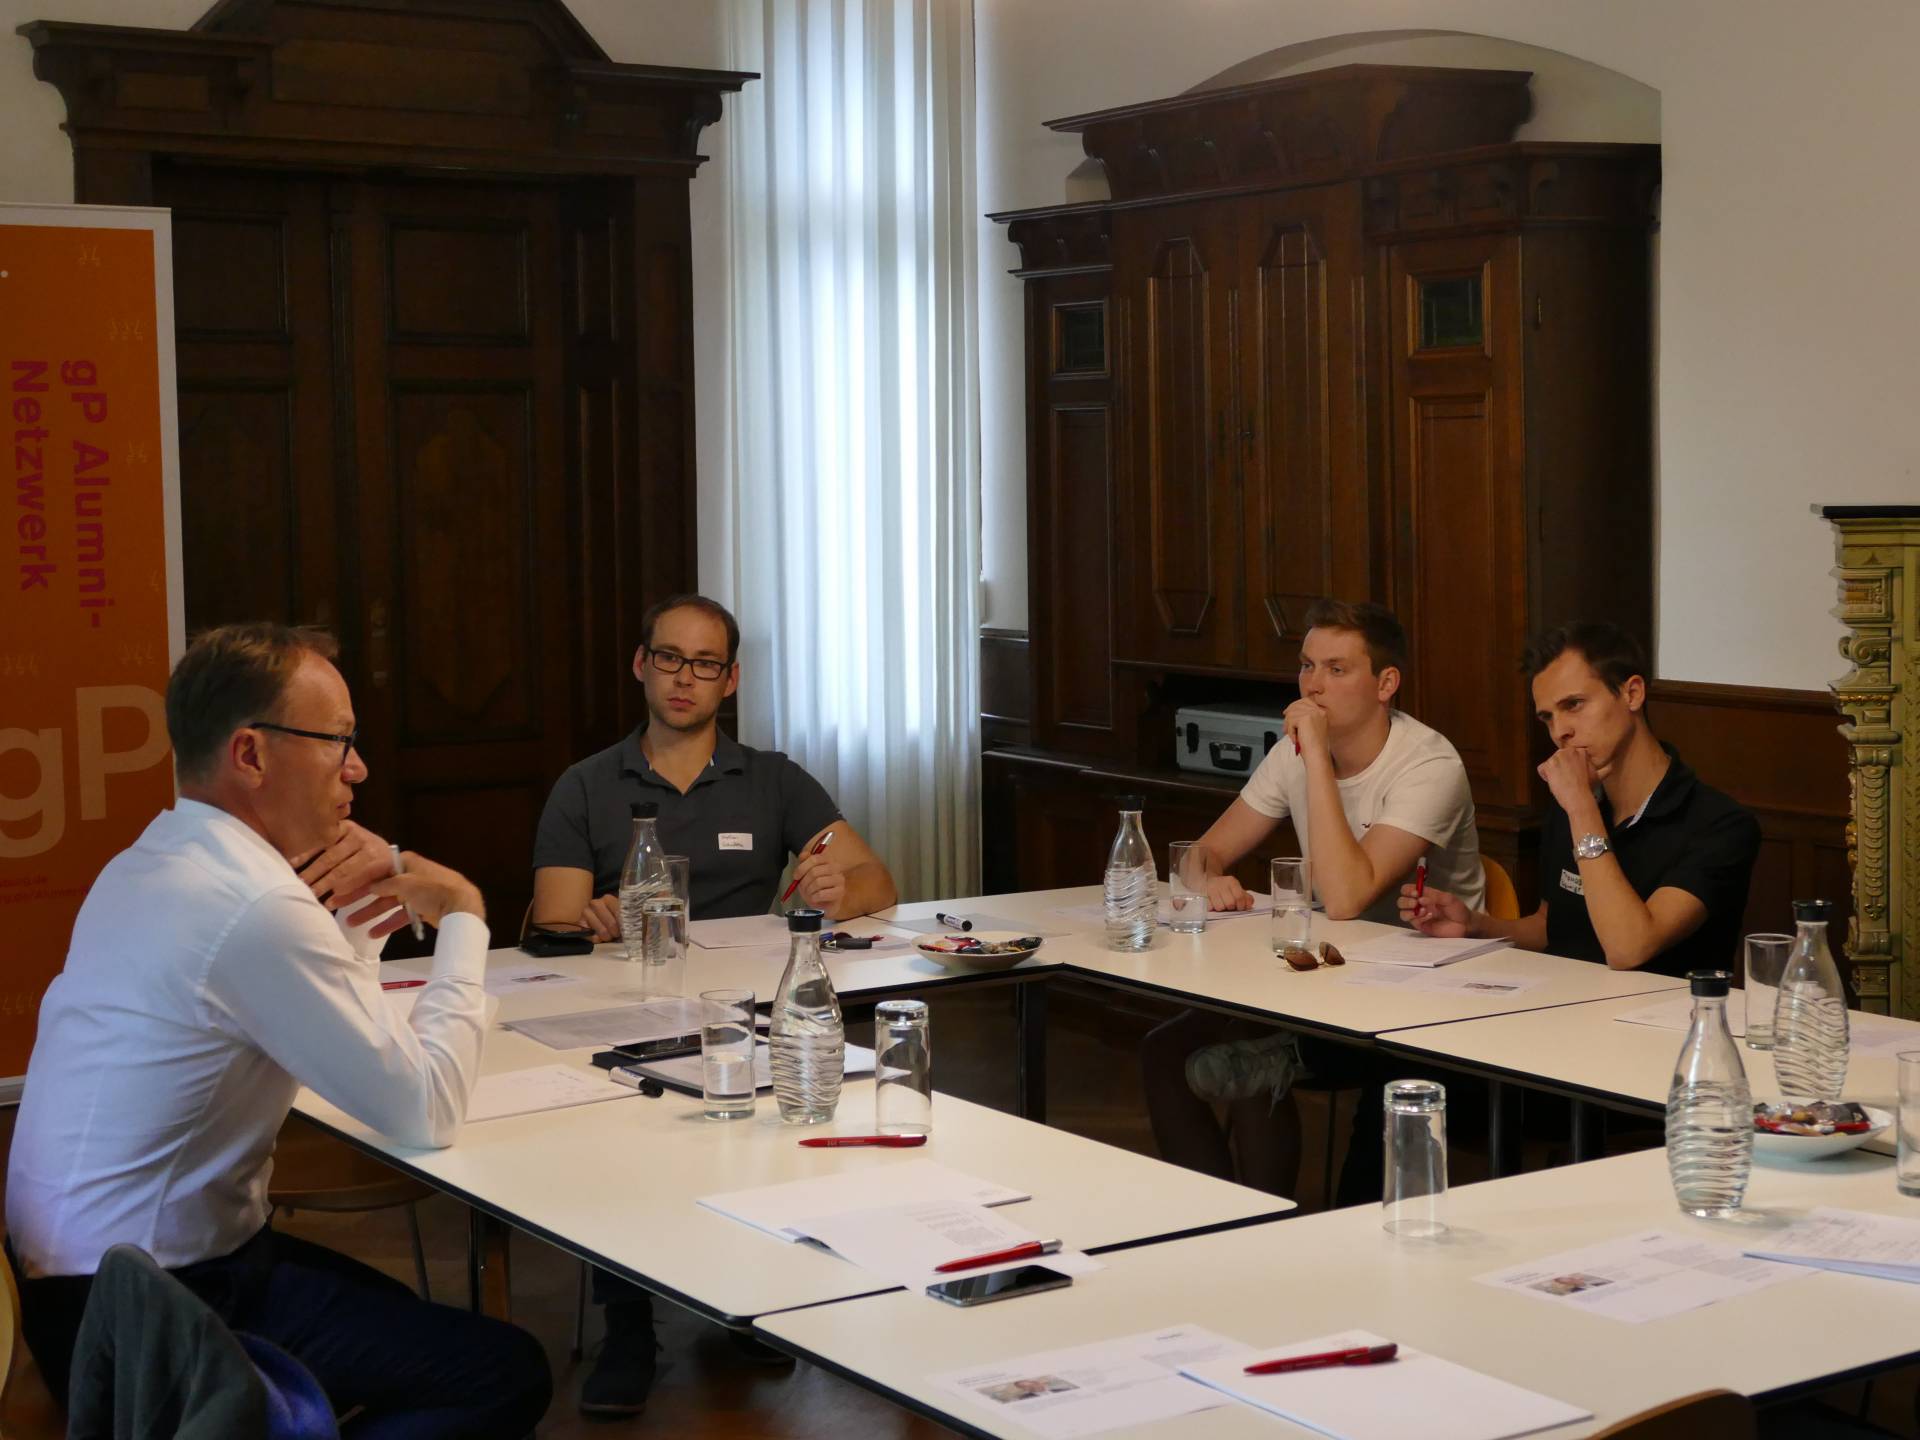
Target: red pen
point(890, 1142)
point(1028, 1251)
point(1359, 1355)
point(1419, 881)
point(401, 984)
point(825, 840)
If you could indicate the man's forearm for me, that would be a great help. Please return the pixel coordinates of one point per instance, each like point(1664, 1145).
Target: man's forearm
point(1342, 873)
point(1621, 921)
point(1529, 932)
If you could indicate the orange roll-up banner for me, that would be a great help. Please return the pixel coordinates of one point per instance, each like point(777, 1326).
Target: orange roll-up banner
point(92, 618)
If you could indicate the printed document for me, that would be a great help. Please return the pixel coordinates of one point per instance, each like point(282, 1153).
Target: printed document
point(1410, 947)
point(1414, 1396)
point(905, 1243)
point(503, 979)
point(784, 1210)
point(1852, 1242)
point(1642, 1277)
point(1475, 982)
point(1093, 1388)
point(651, 1020)
point(544, 1087)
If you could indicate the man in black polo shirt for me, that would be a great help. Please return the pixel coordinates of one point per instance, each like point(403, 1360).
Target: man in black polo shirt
point(737, 814)
point(1642, 866)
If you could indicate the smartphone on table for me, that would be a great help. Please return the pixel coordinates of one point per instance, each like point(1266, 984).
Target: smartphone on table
point(999, 1285)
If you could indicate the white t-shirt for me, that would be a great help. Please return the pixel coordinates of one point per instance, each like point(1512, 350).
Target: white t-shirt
point(1416, 784)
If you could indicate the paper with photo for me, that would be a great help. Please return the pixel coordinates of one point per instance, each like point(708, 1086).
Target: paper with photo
point(540, 975)
point(1414, 1396)
point(1088, 1389)
point(1642, 1277)
point(543, 1087)
point(1456, 982)
point(1853, 1242)
point(615, 1025)
point(781, 1209)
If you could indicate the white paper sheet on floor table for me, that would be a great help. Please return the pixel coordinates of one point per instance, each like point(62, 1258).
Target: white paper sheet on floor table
point(540, 975)
point(1675, 1012)
point(616, 1025)
point(1410, 947)
point(683, 1072)
point(1472, 982)
point(878, 1175)
point(544, 1087)
point(1853, 1242)
point(1415, 1396)
point(1095, 913)
point(905, 1243)
point(1114, 1384)
point(737, 931)
point(1642, 1277)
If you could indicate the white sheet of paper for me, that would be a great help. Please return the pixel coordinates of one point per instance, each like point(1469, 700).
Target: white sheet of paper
point(738, 931)
point(1094, 913)
point(1886, 1247)
point(683, 1072)
point(1477, 982)
point(905, 1243)
point(544, 1087)
point(651, 1020)
point(981, 921)
point(1410, 947)
point(539, 974)
point(1415, 1396)
point(1675, 1012)
point(1642, 1277)
point(1881, 1034)
point(1116, 1383)
point(780, 1209)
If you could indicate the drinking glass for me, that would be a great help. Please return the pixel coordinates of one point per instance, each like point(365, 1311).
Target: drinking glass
point(902, 1068)
point(726, 1053)
point(1766, 959)
point(1906, 1166)
point(1292, 904)
point(663, 933)
point(1414, 1200)
point(1186, 887)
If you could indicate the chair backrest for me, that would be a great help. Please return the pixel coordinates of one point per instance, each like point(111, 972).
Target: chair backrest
point(1710, 1415)
point(1503, 901)
point(10, 1337)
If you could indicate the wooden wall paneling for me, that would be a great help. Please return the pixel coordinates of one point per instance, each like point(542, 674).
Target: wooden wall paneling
point(1006, 689)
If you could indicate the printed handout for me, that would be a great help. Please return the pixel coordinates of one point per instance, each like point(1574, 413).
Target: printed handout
point(1642, 1277)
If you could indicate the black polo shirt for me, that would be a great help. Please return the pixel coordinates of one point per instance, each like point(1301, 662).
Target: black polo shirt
point(1690, 837)
point(737, 824)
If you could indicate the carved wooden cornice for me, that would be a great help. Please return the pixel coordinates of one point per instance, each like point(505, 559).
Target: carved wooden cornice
point(1517, 184)
point(1060, 239)
point(1304, 129)
point(498, 85)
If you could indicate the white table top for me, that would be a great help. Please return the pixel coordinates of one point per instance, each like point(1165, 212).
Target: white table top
point(1584, 1049)
point(1319, 1274)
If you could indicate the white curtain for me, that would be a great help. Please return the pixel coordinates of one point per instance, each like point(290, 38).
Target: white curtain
point(851, 452)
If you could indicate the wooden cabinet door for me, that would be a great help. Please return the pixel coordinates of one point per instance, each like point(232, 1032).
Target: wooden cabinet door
point(1459, 572)
point(1178, 575)
point(1301, 445)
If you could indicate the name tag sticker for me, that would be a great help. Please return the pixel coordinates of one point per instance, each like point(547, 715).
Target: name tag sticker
point(736, 840)
point(1570, 880)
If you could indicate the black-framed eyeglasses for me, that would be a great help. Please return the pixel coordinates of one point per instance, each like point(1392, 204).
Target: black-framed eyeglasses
point(668, 662)
point(345, 742)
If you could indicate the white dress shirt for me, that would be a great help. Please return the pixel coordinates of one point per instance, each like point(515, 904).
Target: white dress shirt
point(203, 987)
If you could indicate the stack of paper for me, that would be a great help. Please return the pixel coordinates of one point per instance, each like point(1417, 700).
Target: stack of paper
point(1410, 947)
point(544, 1087)
point(682, 1072)
point(1413, 1397)
point(785, 1210)
point(619, 1025)
point(1851, 1242)
point(907, 1243)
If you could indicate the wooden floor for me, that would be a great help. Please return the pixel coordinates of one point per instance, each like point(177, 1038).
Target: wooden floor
point(707, 1391)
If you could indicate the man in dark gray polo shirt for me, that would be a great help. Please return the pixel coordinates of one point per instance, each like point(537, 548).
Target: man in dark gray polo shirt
point(737, 814)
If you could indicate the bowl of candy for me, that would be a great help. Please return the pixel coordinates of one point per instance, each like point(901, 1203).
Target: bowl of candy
point(1815, 1130)
point(980, 949)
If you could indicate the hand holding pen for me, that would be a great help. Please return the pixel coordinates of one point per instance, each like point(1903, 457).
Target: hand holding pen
point(806, 868)
point(424, 892)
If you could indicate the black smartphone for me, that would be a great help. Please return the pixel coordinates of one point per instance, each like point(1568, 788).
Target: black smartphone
point(639, 1052)
point(547, 941)
point(1000, 1285)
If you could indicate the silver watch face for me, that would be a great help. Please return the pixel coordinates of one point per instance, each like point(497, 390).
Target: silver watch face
point(1591, 847)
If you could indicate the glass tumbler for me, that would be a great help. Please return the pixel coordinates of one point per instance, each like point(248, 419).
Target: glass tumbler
point(1766, 959)
point(1292, 904)
point(902, 1069)
point(1415, 1196)
point(1906, 1169)
point(726, 1053)
point(663, 934)
point(1186, 887)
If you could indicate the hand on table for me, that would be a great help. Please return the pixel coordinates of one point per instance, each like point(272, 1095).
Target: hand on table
point(602, 918)
point(1226, 893)
point(1436, 913)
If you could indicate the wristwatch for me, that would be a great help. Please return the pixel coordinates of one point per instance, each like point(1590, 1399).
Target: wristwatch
point(1590, 847)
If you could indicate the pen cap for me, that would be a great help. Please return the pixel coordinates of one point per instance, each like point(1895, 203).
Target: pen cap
point(804, 921)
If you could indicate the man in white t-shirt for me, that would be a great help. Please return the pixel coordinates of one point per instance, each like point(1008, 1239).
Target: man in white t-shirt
point(1370, 791)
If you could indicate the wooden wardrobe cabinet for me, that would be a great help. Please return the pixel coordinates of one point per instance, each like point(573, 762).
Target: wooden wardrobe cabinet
point(1336, 334)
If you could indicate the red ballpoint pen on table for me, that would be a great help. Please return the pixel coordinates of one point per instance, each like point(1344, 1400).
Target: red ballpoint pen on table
point(886, 1142)
point(792, 885)
point(1359, 1355)
point(401, 984)
point(1033, 1249)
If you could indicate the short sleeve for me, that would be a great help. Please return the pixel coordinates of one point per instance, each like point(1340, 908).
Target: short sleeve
point(1266, 789)
point(805, 807)
point(1430, 799)
point(1717, 867)
point(562, 838)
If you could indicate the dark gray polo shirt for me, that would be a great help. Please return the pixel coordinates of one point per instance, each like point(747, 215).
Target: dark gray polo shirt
point(737, 825)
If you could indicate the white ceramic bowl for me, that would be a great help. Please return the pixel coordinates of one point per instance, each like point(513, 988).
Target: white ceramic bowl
point(970, 960)
point(1776, 1146)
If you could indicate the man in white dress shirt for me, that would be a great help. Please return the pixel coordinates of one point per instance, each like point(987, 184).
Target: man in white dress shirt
point(206, 982)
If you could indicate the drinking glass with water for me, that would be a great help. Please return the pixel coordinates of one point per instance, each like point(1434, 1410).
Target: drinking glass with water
point(663, 933)
point(902, 1069)
point(726, 1053)
point(1187, 887)
point(1292, 904)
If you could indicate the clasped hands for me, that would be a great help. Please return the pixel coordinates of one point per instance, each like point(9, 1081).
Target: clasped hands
point(359, 866)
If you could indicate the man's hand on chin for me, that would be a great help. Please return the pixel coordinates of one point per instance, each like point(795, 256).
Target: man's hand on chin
point(346, 867)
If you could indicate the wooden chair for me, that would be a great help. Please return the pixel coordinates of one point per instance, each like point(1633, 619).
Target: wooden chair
point(314, 1171)
point(1502, 901)
point(1710, 1415)
point(28, 1409)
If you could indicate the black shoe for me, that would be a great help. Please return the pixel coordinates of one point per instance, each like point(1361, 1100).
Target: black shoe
point(622, 1377)
point(757, 1352)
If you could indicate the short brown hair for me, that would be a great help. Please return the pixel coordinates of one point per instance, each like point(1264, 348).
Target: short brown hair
point(713, 609)
point(230, 676)
point(1615, 655)
point(1379, 627)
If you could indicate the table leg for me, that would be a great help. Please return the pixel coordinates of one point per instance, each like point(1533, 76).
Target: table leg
point(1588, 1130)
point(489, 1271)
point(1496, 1129)
point(1030, 1023)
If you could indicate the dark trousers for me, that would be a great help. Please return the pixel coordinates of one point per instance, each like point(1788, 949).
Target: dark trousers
point(422, 1371)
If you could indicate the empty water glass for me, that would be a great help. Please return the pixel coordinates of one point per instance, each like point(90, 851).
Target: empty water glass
point(1414, 1199)
point(1292, 904)
point(1766, 959)
point(902, 1068)
point(726, 1053)
point(1907, 1149)
point(1186, 887)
